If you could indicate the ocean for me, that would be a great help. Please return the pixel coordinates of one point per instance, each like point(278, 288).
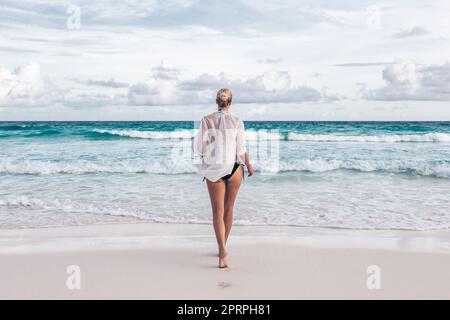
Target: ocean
point(356, 175)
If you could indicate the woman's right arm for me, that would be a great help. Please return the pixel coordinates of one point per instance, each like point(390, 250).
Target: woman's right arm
point(248, 165)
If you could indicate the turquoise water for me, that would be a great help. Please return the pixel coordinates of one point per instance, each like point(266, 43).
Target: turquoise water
point(330, 174)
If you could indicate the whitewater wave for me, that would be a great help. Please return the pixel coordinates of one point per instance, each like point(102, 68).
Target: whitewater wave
point(179, 134)
point(34, 212)
point(258, 135)
point(428, 137)
point(251, 135)
point(40, 167)
point(69, 206)
point(440, 169)
point(80, 212)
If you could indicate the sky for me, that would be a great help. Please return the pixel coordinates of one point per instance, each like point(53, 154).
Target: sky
point(283, 60)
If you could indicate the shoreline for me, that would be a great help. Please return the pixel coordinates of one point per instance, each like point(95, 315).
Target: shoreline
point(178, 261)
point(128, 233)
point(138, 221)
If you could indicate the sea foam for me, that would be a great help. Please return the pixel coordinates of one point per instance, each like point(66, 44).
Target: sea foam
point(428, 137)
point(251, 135)
point(439, 169)
point(254, 135)
point(178, 134)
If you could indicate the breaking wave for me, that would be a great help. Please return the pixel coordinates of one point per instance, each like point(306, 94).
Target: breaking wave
point(439, 169)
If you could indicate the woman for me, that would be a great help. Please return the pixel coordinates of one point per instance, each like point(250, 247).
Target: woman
point(220, 145)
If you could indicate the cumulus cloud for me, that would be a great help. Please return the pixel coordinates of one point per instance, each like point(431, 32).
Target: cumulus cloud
point(166, 87)
point(160, 89)
point(26, 87)
point(165, 71)
point(270, 87)
point(23, 83)
point(405, 80)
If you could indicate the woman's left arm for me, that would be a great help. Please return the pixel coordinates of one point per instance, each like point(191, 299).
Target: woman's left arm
point(201, 139)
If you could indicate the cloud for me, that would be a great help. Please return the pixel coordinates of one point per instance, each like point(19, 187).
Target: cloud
point(403, 73)
point(165, 71)
point(137, 13)
point(405, 80)
point(111, 83)
point(237, 17)
point(362, 64)
point(26, 87)
point(17, 50)
point(412, 32)
point(258, 111)
point(160, 89)
point(166, 87)
point(23, 83)
point(272, 87)
point(80, 99)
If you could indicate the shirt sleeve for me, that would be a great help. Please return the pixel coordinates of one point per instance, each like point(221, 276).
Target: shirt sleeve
point(241, 144)
point(201, 139)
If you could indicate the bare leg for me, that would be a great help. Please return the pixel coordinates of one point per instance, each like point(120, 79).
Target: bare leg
point(232, 188)
point(217, 196)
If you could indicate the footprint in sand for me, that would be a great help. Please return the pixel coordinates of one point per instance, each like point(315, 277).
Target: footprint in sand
point(223, 284)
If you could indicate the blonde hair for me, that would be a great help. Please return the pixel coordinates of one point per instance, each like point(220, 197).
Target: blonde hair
point(224, 98)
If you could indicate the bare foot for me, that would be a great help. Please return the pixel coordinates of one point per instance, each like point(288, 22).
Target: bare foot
point(222, 261)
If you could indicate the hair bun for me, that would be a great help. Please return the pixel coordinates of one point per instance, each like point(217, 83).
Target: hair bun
point(224, 97)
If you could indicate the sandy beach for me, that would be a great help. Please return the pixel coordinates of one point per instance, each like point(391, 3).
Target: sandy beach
point(177, 261)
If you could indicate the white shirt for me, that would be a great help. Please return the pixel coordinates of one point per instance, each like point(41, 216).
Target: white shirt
point(219, 144)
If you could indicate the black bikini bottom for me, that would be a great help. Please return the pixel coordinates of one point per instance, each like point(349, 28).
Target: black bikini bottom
point(228, 176)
